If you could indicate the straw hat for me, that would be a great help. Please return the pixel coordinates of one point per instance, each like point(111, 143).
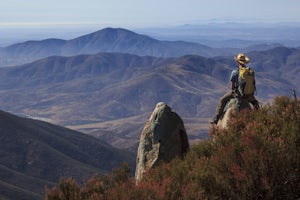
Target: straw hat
point(242, 59)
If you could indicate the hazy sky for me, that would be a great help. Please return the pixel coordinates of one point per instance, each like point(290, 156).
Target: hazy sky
point(149, 13)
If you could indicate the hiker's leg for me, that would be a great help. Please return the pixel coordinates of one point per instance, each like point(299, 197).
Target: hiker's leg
point(222, 103)
point(253, 101)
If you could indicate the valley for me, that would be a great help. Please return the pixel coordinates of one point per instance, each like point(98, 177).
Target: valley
point(110, 95)
point(104, 85)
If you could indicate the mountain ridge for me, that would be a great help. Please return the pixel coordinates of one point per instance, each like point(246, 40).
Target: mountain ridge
point(89, 89)
point(35, 153)
point(116, 40)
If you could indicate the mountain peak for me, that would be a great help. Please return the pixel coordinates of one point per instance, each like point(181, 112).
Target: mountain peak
point(117, 40)
point(112, 33)
point(115, 32)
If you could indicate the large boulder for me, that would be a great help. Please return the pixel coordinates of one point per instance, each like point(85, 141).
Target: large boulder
point(234, 106)
point(162, 139)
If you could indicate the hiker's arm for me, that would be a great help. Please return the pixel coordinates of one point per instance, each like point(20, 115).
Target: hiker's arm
point(232, 85)
point(234, 79)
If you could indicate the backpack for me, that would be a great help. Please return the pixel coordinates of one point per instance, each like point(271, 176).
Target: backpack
point(246, 84)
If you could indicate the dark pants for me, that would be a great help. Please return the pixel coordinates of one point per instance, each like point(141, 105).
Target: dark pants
point(223, 102)
point(251, 99)
point(229, 95)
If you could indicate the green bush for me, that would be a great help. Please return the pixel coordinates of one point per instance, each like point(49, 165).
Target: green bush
point(256, 157)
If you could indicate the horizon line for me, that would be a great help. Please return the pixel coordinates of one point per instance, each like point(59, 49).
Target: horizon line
point(108, 24)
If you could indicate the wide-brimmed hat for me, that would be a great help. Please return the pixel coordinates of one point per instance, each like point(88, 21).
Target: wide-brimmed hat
point(242, 59)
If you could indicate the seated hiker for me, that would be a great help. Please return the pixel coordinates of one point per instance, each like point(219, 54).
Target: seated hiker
point(242, 86)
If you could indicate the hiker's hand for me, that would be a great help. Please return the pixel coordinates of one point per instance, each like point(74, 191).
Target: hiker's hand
point(235, 93)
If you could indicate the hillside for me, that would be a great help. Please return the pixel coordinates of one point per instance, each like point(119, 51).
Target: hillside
point(256, 157)
point(101, 94)
point(34, 154)
point(97, 88)
point(105, 40)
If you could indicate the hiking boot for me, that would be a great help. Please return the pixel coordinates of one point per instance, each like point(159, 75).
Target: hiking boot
point(215, 120)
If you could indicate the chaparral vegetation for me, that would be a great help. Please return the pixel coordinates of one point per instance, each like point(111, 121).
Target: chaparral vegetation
point(256, 157)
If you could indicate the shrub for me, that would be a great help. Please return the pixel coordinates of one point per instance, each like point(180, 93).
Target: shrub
point(256, 157)
point(67, 189)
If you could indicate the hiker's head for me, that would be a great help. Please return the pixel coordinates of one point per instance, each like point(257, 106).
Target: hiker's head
point(241, 59)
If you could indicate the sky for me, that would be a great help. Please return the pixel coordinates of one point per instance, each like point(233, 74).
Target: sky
point(143, 13)
point(22, 20)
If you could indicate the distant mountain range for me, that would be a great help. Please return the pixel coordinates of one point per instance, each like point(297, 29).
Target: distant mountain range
point(106, 84)
point(230, 34)
point(34, 154)
point(107, 87)
point(107, 40)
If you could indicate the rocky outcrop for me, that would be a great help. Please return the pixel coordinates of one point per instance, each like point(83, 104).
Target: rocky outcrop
point(162, 139)
point(234, 106)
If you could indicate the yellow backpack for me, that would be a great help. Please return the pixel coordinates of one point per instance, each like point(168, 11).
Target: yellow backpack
point(246, 81)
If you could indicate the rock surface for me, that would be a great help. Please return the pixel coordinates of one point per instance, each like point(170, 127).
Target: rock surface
point(234, 106)
point(162, 139)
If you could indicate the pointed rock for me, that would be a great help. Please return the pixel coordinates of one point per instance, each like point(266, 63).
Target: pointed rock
point(162, 139)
